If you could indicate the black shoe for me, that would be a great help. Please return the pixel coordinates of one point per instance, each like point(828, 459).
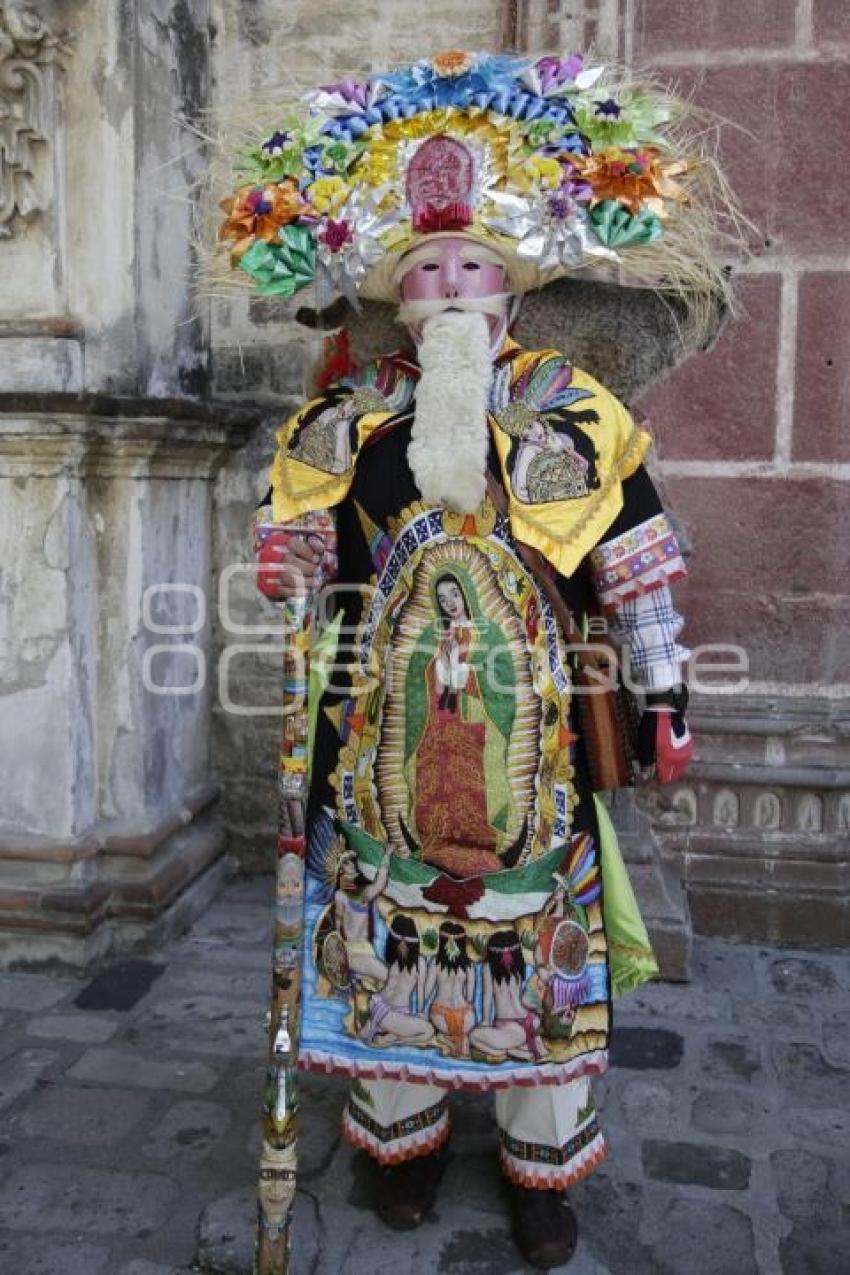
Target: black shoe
point(545, 1229)
point(405, 1193)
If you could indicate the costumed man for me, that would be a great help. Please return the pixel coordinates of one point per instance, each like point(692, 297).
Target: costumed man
point(487, 497)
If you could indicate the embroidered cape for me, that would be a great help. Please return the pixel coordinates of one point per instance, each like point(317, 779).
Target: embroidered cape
point(456, 925)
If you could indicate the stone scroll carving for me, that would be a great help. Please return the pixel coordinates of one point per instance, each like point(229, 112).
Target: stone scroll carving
point(30, 58)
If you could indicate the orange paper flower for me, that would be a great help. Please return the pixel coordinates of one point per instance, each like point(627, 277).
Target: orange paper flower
point(639, 179)
point(452, 62)
point(258, 212)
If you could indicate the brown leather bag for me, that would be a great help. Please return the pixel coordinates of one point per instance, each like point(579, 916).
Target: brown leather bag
point(608, 713)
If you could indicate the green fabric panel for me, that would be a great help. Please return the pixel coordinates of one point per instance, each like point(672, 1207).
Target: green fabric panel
point(631, 958)
point(501, 705)
point(367, 848)
point(533, 877)
point(322, 658)
point(371, 851)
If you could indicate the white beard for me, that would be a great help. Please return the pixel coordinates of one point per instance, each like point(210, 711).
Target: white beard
point(450, 437)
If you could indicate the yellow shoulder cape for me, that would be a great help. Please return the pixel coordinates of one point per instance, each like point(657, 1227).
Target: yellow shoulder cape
point(565, 530)
point(319, 445)
point(299, 487)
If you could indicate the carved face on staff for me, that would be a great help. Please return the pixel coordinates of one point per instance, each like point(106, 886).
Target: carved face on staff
point(277, 1184)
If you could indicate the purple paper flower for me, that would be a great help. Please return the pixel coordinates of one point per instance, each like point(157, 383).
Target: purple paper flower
point(554, 71)
point(562, 202)
point(609, 109)
point(354, 91)
point(276, 143)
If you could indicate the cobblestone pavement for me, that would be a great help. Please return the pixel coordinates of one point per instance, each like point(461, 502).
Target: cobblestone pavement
point(130, 1129)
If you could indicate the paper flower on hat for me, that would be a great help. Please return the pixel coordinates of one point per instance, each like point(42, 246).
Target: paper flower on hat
point(639, 179)
point(556, 165)
point(258, 212)
point(282, 266)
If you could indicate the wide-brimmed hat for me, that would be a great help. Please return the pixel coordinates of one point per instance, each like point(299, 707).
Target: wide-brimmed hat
point(559, 167)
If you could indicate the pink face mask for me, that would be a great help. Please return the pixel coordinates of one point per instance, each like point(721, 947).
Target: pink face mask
point(451, 268)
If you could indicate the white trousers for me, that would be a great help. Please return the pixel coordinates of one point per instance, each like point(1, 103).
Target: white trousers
point(548, 1134)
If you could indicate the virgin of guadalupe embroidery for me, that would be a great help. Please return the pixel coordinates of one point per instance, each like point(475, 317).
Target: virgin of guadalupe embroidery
point(453, 918)
point(459, 729)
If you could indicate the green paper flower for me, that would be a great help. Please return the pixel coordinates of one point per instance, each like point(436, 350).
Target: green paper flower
point(281, 268)
point(602, 132)
point(636, 125)
point(256, 165)
point(338, 157)
point(616, 227)
point(539, 132)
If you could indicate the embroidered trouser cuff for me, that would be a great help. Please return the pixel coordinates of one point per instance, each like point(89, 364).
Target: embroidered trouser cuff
point(548, 1135)
point(395, 1121)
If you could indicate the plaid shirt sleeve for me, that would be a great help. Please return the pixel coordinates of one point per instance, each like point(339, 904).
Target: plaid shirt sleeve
point(649, 625)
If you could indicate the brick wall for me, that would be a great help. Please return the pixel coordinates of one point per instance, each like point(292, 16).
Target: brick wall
point(750, 436)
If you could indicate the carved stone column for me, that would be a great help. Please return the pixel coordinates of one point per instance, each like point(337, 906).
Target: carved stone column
point(108, 831)
point(108, 834)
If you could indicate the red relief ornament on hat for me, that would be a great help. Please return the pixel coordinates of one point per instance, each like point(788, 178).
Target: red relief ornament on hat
point(439, 185)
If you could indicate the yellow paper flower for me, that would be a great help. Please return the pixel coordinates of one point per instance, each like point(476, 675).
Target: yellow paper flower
point(545, 171)
point(539, 172)
point(328, 194)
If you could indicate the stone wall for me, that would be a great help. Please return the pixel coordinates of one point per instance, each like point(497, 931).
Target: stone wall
point(106, 464)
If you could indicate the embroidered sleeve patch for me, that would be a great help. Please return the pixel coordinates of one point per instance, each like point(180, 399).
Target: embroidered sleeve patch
point(637, 561)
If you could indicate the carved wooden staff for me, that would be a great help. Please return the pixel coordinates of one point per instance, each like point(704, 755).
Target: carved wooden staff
point(278, 1159)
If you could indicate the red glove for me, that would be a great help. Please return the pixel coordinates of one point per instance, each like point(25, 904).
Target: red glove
point(664, 741)
point(270, 557)
point(290, 566)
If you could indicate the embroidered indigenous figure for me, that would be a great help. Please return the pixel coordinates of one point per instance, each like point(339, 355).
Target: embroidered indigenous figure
point(509, 1028)
point(327, 439)
point(353, 904)
point(391, 1016)
point(547, 466)
point(451, 981)
point(487, 498)
point(560, 958)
